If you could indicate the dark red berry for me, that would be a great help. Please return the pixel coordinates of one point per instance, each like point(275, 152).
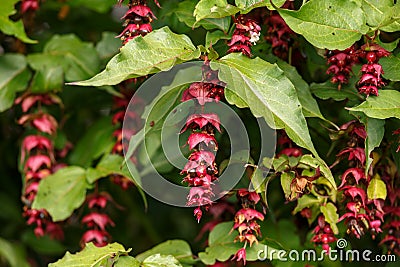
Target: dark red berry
point(371, 57)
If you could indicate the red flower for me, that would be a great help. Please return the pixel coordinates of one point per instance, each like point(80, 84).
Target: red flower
point(356, 173)
point(197, 138)
point(35, 141)
point(240, 255)
point(248, 214)
point(97, 219)
point(27, 5)
point(140, 10)
point(354, 153)
point(98, 237)
point(98, 200)
point(201, 120)
point(35, 162)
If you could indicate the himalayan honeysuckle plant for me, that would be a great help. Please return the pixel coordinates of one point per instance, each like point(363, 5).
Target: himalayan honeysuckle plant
point(184, 133)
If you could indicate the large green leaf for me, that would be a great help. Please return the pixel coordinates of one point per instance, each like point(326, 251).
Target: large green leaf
point(159, 50)
point(395, 25)
point(221, 246)
point(248, 5)
point(265, 89)
point(384, 106)
point(184, 11)
point(78, 59)
point(331, 24)
point(378, 12)
point(15, 28)
point(391, 67)
point(92, 256)
point(62, 192)
point(14, 77)
point(180, 249)
point(214, 9)
point(13, 254)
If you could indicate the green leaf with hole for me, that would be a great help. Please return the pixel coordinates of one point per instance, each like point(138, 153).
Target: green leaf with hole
point(376, 188)
point(214, 9)
point(92, 256)
point(10, 27)
point(158, 51)
point(14, 78)
point(386, 105)
point(331, 24)
point(391, 67)
point(62, 192)
point(331, 216)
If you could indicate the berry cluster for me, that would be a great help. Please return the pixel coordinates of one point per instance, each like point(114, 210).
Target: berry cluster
point(371, 78)
point(323, 234)
point(96, 220)
point(136, 20)
point(246, 222)
point(279, 34)
point(38, 157)
point(201, 171)
point(341, 63)
point(362, 214)
point(246, 34)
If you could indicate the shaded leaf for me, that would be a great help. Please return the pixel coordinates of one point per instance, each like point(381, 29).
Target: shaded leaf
point(180, 249)
point(62, 192)
point(109, 164)
point(13, 254)
point(108, 46)
point(378, 12)
point(213, 37)
point(158, 51)
point(384, 106)
point(14, 77)
point(376, 188)
point(315, 163)
point(78, 59)
point(331, 216)
point(331, 24)
point(248, 5)
point(329, 90)
point(286, 181)
point(48, 79)
point(391, 67)
point(101, 6)
point(7, 26)
point(92, 256)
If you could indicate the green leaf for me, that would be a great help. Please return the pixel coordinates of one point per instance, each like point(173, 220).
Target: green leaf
point(92, 256)
point(384, 106)
point(7, 26)
point(329, 90)
point(96, 141)
point(315, 163)
point(109, 164)
point(13, 254)
point(375, 131)
point(14, 77)
point(184, 12)
point(108, 46)
point(395, 25)
point(127, 261)
point(48, 79)
point(101, 6)
point(158, 51)
point(266, 90)
point(331, 216)
point(214, 9)
point(286, 181)
point(331, 24)
point(309, 104)
point(247, 5)
point(62, 192)
point(221, 246)
point(44, 245)
point(378, 12)
point(78, 59)
point(158, 260)
point(180, 249)
point(306, 201)
point(213, 37)
point(376, 188)
point(391, 67)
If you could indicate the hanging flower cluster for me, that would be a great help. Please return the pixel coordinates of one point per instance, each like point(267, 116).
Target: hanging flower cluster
point(136, 20)
point(245, 222)
point(246, 34)
point(361, 214)
point(201, 171)
point(38, 157)
point(29, 5)
point(279, 34)
point(323, 234)
point(341, 63)
point(371, 78)
point(96, 220)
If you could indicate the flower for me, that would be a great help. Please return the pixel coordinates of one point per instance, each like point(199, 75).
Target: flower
point(97, 219)
point(240, 255)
